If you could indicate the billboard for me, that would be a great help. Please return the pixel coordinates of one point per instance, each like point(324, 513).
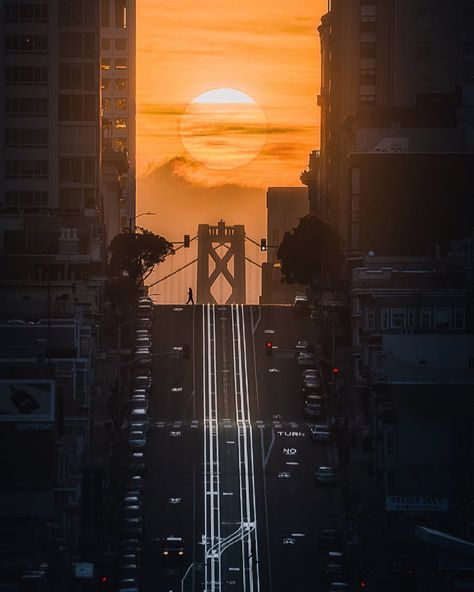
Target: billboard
point(27, 400)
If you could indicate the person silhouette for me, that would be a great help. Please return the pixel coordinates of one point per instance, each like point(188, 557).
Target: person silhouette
point(190, 296)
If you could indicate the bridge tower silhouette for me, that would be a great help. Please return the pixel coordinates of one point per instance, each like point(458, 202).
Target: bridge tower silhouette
point(225, 246)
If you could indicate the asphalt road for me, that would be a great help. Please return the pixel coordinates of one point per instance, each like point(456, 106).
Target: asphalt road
point(230, 462)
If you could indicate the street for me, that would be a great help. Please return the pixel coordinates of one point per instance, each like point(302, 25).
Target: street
point(230, 464)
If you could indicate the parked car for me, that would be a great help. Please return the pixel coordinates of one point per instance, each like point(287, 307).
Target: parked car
point(303, 346)
point(136, 482)
point(335, 564)
point(301, 304)
point(313, 410)
point(132, 499)
point(339, 587)
point(306, 360)
point(320, 433)
point(137, 443)
point(142, 381)
point(325, 475)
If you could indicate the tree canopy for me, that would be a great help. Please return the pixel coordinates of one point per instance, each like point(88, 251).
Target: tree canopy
point(136, 253)
point(309, 251)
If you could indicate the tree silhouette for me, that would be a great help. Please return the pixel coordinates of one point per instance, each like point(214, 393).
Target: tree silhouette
point(311, 250)
point(135, 253)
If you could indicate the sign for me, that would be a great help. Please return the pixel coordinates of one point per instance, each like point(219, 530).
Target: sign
point(83, 570)
point(415, 503)
point(27, 400)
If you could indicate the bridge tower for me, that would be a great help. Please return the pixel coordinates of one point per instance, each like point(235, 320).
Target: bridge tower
point(210, 241)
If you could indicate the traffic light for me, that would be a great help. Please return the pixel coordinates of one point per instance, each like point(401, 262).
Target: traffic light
point(185, 352)
point(186, 241)
point(268, 348)
point(335, 371)
point(363, 584)
point(103, 582)
point(263, 244)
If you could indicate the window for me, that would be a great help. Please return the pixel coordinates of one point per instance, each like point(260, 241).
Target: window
point(355, 179)
point(120, 123)
point(390, 482)
point(411, 318)
point(120, 84)
point(105, 84)
point(355, 235)
point(105, 64)
point(121, 44)
point(120, 104)
point(105, 43)
point(105, 103)
point(442, 319)
point(367, 76)
point(119, 144)
point(78, 13)
point(36, 106)
point(390, 443)
point(355, 208)
point(77, 108)
point(425, 319)
point(121, 14)
point(26, 75)
point(31, 199)
point(77, 45)
point(105, 13)
point(26, 137)
point(459, 319)
point(77, 170)
point(18, 12)
point(35, 44)
point(397, 318)
point(120, 64)
point(26, 169)
point(70, 199)
point(367, 100)
point(369, 319)
point(424, 19)
point(384, 319)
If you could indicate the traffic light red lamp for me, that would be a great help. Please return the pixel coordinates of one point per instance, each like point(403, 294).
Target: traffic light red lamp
point(268, 348)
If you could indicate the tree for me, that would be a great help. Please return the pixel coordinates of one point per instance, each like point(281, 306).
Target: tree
point(136, 253)
point(311, 250)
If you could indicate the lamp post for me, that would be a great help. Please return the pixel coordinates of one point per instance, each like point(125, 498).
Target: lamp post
point(139, 216)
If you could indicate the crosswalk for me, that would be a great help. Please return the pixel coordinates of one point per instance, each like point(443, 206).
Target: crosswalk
point(229, 424)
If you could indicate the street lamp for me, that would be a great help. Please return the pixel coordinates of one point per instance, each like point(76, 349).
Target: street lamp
point(139, 215)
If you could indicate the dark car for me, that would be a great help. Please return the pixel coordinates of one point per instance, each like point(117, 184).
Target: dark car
point(313, 410)
point(320, 433)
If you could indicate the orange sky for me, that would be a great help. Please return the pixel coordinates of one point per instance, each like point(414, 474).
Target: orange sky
point(266, 49)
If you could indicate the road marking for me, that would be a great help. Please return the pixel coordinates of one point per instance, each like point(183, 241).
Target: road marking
point(273, 370)
point(176, 389)
point(297, 534)
point(289, 451)
point(174, 500)
point(292, 463)
point(228, 493)
point(292, 434)
point(230, 442)
point(175, 434)
point(269, 331)
point(284, 475)
point(177, 308)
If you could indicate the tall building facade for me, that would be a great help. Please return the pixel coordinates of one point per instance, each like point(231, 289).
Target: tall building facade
point(396, 77)
point(52, 256)
point(118, 47)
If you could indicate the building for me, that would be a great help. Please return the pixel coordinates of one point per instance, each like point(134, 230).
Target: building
point(118, 47)
point(372, 103)
point(285, 207)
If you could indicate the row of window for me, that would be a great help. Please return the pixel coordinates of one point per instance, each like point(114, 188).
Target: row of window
point(77, 108)
point(427, 319)
point(23, 12)
point(120, 43)
point(120, 84)
point(78, 13)
point(119, 18)
point(26, 169)
point(26, 199)
point(118, 64)
point(77, 77)
point(74, 199)
point(22, 106)
point(119, 123)
point(74, 44)
point(31, 44)
point(77, 170)
point(117, 104)
point(24, 137)
point(26, 75)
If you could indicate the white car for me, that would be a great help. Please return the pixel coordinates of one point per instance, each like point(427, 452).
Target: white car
point(326, 475)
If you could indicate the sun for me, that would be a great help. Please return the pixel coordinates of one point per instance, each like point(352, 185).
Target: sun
point(223, 128)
